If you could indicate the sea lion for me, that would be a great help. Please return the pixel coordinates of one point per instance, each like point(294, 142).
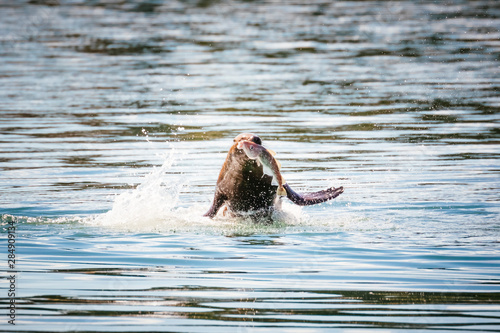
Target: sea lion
point(244, 188)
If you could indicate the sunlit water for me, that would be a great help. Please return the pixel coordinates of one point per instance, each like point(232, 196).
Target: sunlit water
point(115, 118)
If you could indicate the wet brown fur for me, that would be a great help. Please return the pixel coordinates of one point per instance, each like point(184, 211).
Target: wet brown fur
point(244, 188)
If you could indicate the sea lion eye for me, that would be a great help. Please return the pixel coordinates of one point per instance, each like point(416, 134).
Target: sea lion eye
point(251, 147)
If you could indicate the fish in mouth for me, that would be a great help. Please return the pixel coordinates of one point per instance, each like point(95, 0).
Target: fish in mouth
point(264, 158)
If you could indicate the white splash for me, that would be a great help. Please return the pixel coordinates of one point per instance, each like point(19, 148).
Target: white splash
point(150, 205)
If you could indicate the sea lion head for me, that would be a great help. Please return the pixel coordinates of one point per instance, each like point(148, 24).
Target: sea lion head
point(248, 137)
point(239, 156)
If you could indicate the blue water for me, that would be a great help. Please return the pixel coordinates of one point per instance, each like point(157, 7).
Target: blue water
point(116, 116)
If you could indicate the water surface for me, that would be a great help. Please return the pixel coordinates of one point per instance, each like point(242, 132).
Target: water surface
point(115, 118)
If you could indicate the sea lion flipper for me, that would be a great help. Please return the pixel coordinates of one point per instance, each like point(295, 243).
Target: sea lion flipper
point(307, 199)
point(219, 200)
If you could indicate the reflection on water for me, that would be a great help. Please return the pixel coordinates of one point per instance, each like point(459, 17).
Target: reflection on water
point(192, 282)
point(230, 309)
point(115, 118)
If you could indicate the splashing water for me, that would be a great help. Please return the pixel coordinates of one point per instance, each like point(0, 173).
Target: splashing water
point(149, 206)
point(154, 206)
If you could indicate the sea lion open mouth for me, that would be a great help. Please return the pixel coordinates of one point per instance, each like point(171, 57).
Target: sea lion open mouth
point(244, 187)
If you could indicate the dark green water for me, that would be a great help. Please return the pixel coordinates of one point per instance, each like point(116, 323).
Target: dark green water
point(115, 118)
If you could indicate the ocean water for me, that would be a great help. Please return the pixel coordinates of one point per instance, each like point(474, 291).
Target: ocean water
point(116, 116)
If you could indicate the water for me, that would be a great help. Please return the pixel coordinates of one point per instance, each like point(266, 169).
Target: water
point(115, 118)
